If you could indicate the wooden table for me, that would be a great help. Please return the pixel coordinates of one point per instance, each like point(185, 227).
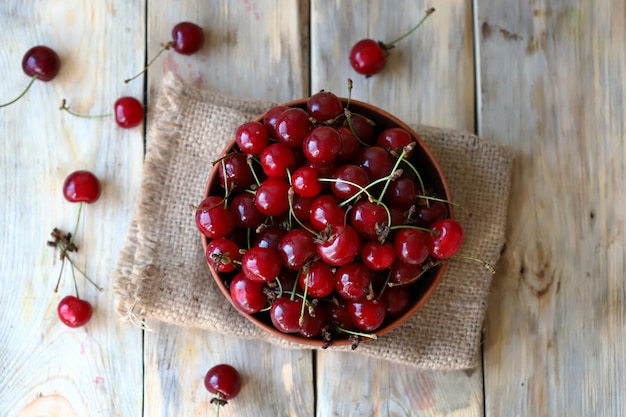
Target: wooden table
point(545, 78)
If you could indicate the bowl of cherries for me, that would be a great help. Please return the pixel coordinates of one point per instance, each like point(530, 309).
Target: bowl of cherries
point(327, 221)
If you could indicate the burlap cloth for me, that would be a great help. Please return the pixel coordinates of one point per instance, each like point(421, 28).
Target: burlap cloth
point(162, 274)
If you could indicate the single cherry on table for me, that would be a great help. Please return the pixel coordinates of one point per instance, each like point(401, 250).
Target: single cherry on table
point(224, 381)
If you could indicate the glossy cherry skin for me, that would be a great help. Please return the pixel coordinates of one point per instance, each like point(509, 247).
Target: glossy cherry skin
point(446, 239)
point(397, 299)
point(74, 312)
point(292, 127)
point(271, 197)
point(213, 219)
point(270, 118)
point(368, 57)
point(285, 314)
point(224, 381)
point(313, 325)
point(128, 112)
point(376, 162)
point(322, 145)
point(401, 193)
point(41, 61)
point(277, 159)
point(324, 106)
point(411, 246)
point(319, 279)
point(82, 187)
point(377, 256)
point(304, 182)
point(187, 37)
point(403, 273)
point(245, 211)
point(368, 218)
point(366, 314)
point(247, 295)
point(220, 253)
point(325, 211)
point(342, 246)
point(346, 176)
point(260, 264)
point(234, 172)
point(353, 281)
point(296, 248)
point(251, 137)
point(394, 138)
point(269, 237)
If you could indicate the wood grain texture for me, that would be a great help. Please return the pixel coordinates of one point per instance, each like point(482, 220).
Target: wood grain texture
point(252, 50)
point(553, 76)
point(47, 368)
point(437, 63)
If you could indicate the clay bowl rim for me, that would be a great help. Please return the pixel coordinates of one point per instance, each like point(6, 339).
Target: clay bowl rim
point(436, 273)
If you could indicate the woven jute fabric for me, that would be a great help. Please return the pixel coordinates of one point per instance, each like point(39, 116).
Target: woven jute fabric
point(162, 273)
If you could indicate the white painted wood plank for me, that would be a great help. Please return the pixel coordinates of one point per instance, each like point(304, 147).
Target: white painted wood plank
point(47, 368)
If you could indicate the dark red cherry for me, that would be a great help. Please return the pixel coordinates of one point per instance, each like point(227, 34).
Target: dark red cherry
point(366, 314)
point(213, 219)
point(74, 312)
point(428, 214)
point(260, 264)
point(377, 256)
point(339, 314)
point(304, 182)
point(302, 207)
point(221, 254)
point(223, 380)
point(271, 197)
point(394, 138)
point(353, 281)
point(446, 239)
point(247, 295)
point(349, 146)
point(270, 118)
point(325, 211)
point(246, 214)
point(296, 248)
point(277, 159)
point(403, 273)
point(397, 300)
point(187, 37)
point(285, 314)
point(322, 145)
point(324, 106)
point(368, 57)
point(269, 237)
point(363, 128)
point(368, 218)
point(411, 246)
point(314, 323)
point(251, 137)
point(401, 193)
point(128, 112)
point(41, 61)
point(341, 247)
point(234, 172)
point(81, 187)
point(350, 179)
point(318, 279)
point(376, 162)
point(292, 127)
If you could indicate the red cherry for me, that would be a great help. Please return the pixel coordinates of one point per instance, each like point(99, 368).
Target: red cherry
point(366, 314)
point(74, 312)
point(376, 162)
point(271, 197)
point(296, 248)
point(247, 215)
point(349, 146)
point(270, 118)
point(368, 218)
point(342, 246)
point(269, 237)
point(353, 281)
point(276, 160)
point(319, 280)
point(128, 112)
point(446, 239)
point(81, 187)
point(247, 295)
point(314, 324)
point(221, 253)
point(427, 215)
point(213, 219)
point(401, 193)
point(251, 137)
point(368, 57)
point(223, 380)
point(397, 300)
point(377, 256)
point(292, 126)
point(42, 62)
point(304, 182)
point(403, 273)
point(285, 314)
point(411, 246)
point(325, 211)
point(261, 264)
point(235, 172)
point(324, 106)
point(322, 145)
point(187, 37)
point(346, 176)
point(394, 138)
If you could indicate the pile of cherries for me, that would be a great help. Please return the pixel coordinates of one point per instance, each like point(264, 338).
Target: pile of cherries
point(322, 221)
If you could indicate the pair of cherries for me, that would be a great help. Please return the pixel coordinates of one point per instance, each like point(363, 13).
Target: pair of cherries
point(43, 63)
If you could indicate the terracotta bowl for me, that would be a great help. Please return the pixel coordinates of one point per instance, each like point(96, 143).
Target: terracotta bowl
point(432, 175)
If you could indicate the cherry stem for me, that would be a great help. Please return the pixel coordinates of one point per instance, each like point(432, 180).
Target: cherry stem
point(348, 115)
point(74, 279)
point(56, 287)
point(80, 209)
point(405, 151)
point(349, 93)
point(410, 226)
point(427, 266)
point(355, 333)
point(292, 214)
point(163, 49)
point(416, 172)
point(384, 285)
point(393, 42)
point(354, 184)
point(249, 160)
point(306, 291)
point(32, 80)
point(480, 261)
point(81, 271)
point(65, 107)
point(442, 200)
